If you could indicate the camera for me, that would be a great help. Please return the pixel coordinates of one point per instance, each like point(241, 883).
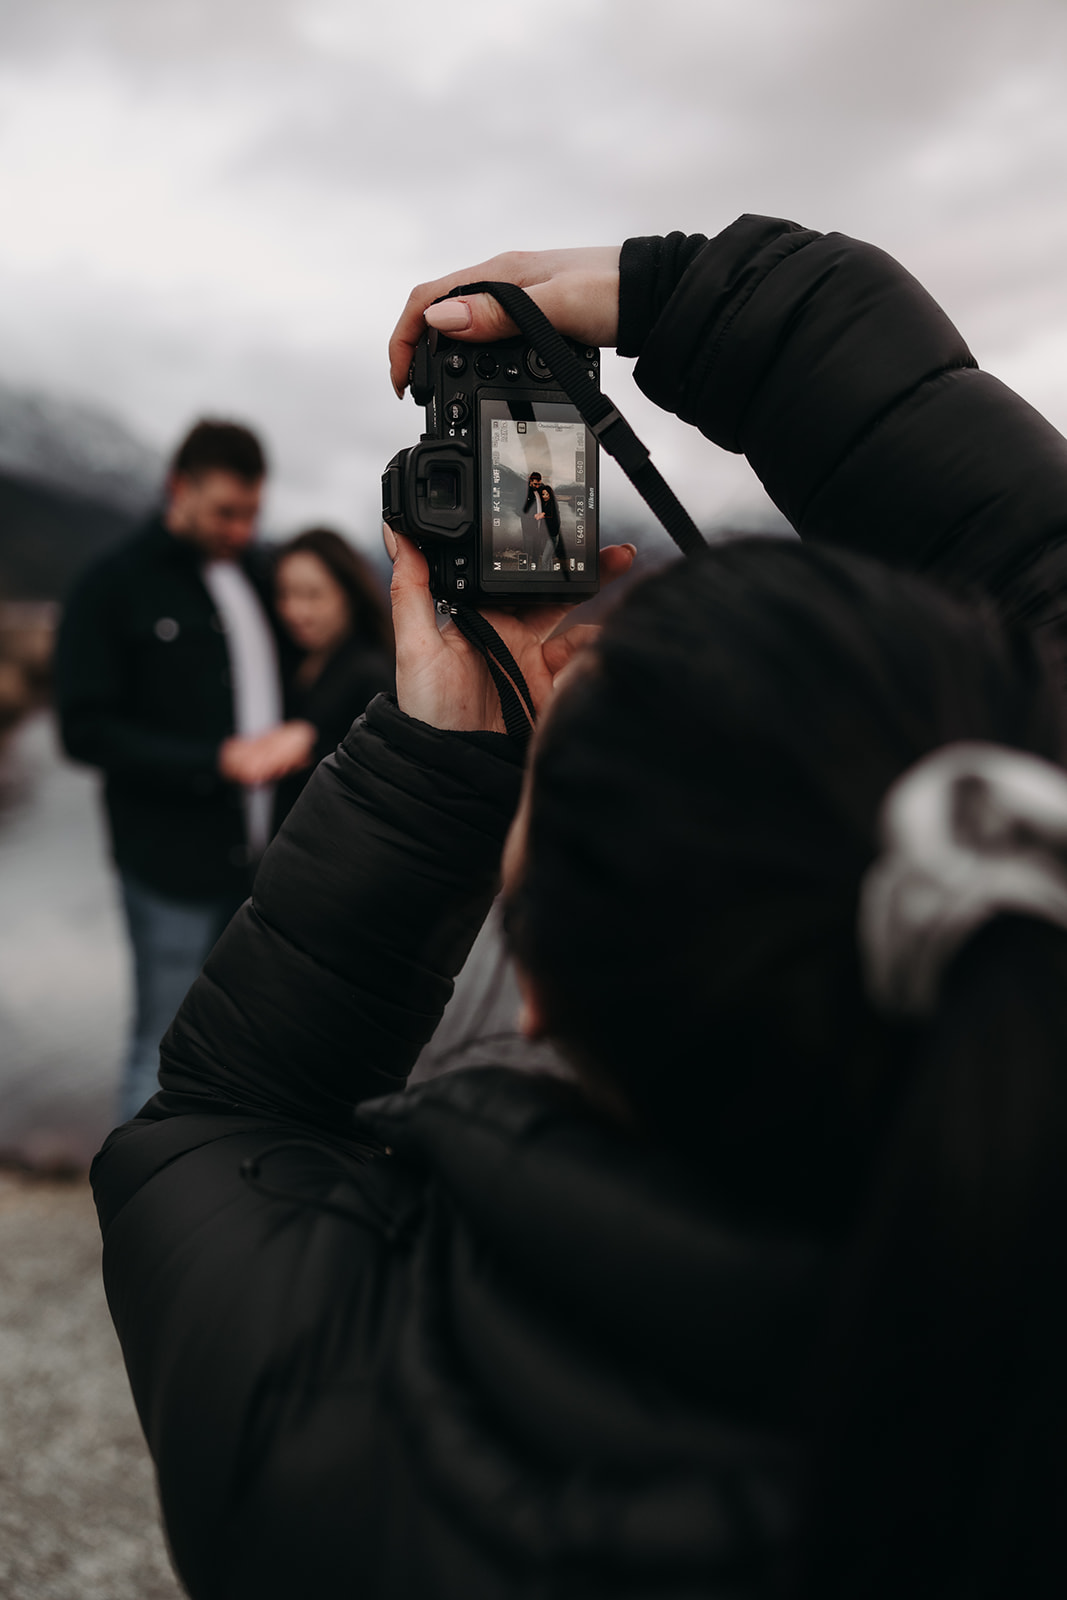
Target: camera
point(501, 493)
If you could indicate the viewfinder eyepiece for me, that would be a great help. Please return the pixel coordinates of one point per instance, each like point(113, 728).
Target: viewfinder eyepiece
point(442, 488)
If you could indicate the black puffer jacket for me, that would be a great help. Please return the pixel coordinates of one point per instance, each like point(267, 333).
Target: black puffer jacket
point(469, 1341)
point(857, 402)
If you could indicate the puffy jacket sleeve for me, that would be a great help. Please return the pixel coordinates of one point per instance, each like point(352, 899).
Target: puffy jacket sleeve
point(249, 1247)
point(327, 984)
point(857, 403)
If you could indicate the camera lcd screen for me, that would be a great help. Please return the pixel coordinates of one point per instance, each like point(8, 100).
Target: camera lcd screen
point(538, 492)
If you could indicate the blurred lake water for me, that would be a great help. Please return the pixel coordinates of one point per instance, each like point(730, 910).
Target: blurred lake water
point(64, 979)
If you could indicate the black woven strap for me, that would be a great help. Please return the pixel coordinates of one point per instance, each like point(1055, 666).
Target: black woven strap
point(617, 437)
point(597, 411)
point(515, 701)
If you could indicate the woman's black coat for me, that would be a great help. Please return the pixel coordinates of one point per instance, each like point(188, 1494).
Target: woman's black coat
point(348, 682)
point(470, 1342)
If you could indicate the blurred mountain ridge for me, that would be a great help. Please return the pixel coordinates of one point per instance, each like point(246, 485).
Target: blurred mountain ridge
point(78, 447)
point(74, 479)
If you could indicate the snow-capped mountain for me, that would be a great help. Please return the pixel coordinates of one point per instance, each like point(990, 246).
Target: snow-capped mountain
point(80, 448)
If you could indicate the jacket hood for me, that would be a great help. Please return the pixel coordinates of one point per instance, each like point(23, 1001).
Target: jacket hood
point(616, 1238)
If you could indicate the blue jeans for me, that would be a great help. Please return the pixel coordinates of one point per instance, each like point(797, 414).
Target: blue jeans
point(171, 940)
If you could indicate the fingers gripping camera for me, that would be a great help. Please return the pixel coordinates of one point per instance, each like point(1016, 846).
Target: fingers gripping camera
point(501, 493)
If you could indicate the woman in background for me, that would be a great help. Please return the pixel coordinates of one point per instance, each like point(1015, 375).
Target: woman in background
point(330, 604)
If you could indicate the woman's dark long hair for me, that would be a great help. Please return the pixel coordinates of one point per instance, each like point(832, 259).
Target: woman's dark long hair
point(371, 619)
point(702, 812)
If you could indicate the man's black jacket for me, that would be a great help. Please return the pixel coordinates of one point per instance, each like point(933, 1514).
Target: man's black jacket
point(469, 1341)
point(144, 692)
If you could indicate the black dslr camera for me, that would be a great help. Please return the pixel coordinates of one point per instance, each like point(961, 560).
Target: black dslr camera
point(501, 493)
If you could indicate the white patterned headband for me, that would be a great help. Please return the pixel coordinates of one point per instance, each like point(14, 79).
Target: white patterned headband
point(971, 832)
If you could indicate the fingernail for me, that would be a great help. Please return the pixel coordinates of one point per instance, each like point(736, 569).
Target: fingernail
point(391, 546)
point(449, 316)
point(398, 389)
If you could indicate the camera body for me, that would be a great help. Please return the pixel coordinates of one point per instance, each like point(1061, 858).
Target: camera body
point(501, 493)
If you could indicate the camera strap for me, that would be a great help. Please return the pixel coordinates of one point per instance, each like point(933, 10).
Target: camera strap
point(600, 414)
point(614, 433)
point(515, 701)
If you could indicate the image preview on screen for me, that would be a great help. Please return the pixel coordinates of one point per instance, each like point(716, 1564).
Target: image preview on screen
point(538, 491)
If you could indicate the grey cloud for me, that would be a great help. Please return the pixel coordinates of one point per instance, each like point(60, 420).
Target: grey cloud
point(687, 106)
point(166, 34)
point(933, 129)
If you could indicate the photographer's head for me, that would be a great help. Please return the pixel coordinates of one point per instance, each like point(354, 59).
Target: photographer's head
point(214, 488)
point(702, 811)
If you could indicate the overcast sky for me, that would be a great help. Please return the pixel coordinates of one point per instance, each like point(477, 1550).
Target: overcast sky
point(219, 205)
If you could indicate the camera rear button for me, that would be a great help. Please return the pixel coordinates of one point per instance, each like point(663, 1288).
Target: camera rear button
point(486, 364)
point(456, 363)
point(512, 372)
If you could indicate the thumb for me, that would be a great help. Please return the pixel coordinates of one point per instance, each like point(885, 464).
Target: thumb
point(414, 613)
point(564, 648)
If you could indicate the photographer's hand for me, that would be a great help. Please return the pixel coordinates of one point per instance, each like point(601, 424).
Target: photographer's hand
point(578, 290)
point(442, 680)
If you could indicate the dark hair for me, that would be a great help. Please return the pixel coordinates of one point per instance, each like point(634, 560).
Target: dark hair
point(213, 446)
point(703, 809)
point(371, 618)
point(534, 475)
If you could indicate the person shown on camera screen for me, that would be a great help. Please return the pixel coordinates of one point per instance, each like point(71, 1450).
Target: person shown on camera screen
point(541, 500)
point(767, 1299)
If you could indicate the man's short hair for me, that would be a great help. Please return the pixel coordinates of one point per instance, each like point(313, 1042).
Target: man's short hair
point(220, 447)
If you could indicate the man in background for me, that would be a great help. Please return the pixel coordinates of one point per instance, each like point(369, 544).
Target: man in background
point(168, 680)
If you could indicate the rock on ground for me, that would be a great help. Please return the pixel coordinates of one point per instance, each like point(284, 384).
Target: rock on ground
point(79, 1518)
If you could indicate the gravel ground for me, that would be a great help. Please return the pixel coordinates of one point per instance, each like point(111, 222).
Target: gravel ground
point(78, 1512)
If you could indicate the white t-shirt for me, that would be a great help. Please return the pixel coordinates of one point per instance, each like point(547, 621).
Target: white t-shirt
point(257, 690)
